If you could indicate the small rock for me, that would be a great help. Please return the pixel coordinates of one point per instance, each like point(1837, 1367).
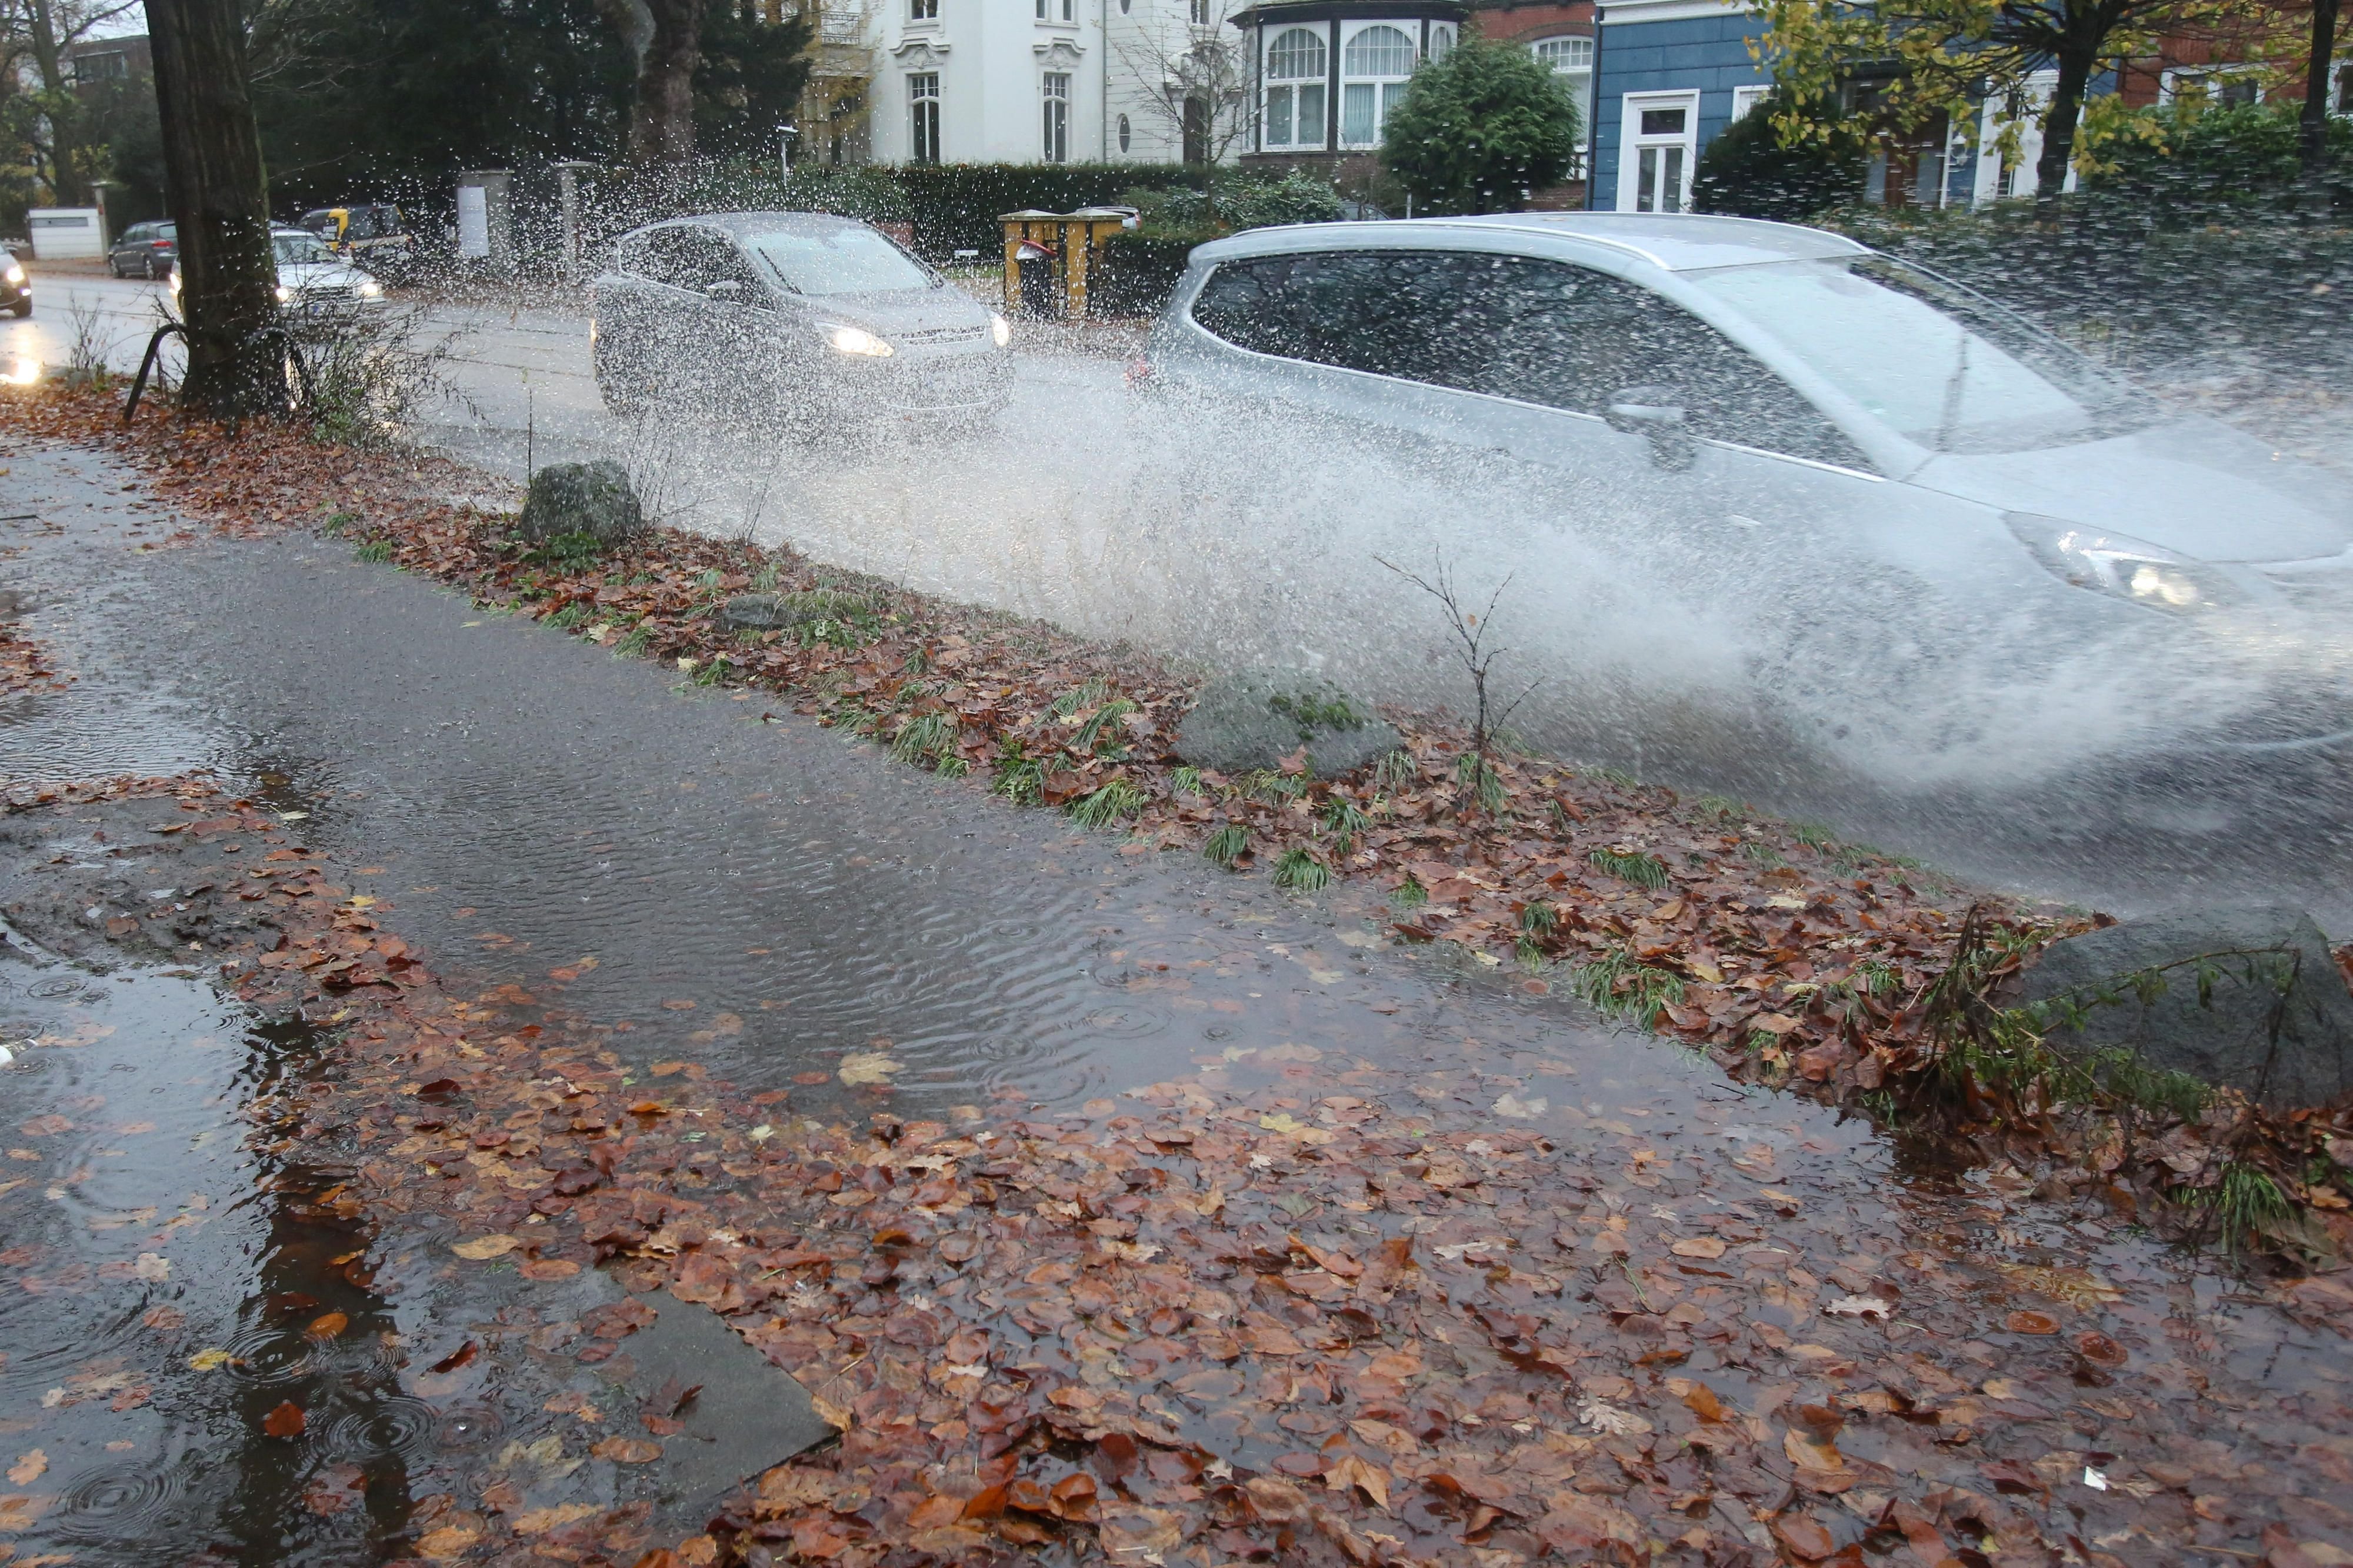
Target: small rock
point(776, 612)
point(1253, 719)
point(756, 613)
point(2224, 1038)
point(591, 498)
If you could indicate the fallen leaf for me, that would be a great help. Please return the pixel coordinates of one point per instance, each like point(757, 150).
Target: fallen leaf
point(2031, 1323)
point(207, 1358)
point(867, 1067)
point(482, 1248)
point(327, 1325)
point(540, 1520)
point(1698, 1246)
point(286, 1421)
point(152, 1267)
point(28, 1469)
point(628, 1451)
point(1348, 1470)
point(1860, 1306)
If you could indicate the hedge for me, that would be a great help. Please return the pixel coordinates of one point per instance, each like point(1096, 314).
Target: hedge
point(1139, 269)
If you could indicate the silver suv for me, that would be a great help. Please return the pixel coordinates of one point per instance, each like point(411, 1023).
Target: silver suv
point(1936, 540)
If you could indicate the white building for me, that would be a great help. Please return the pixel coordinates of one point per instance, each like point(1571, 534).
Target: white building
point(1064, 81)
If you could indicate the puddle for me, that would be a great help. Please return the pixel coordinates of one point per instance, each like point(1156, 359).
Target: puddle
point(166, 1287)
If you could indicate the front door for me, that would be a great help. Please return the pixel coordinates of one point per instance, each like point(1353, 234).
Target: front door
point(1658, 144)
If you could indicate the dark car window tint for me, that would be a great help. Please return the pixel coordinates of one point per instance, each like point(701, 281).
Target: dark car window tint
point(1539, 332)
point(1391, 314)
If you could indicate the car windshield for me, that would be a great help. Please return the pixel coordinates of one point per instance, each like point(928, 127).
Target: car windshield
point(296, 249)
point(837, 261)
point(1938, 365)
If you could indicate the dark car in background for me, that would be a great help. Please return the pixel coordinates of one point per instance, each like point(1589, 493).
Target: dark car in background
point(15, 289)
point(818, 321)
point(149, 250)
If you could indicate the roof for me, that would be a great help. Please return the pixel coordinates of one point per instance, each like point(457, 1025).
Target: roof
point(1678, 242)
point(760, 222)
point(1682, 242)
point(1273, 13)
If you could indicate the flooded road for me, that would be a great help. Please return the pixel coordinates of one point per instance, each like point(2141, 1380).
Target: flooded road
point(702, 886)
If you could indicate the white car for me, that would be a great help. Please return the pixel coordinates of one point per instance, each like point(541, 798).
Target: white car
point(312, 280)
point(1870, 523)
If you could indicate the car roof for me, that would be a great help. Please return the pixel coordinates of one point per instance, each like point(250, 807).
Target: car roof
point(741, 223)
point(1676, 242)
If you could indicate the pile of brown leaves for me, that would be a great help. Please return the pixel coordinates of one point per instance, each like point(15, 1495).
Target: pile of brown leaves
point(25, 666)
point(1799, 959)
point(1273, 1319)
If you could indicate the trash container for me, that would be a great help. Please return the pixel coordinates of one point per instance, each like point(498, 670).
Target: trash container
point(1048, 257)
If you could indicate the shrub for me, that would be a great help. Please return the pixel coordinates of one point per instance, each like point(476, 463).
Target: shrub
point(1746, 172)
point(1482, 129)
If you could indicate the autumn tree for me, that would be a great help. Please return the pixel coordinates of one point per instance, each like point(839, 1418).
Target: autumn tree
point(1948, 57)
point(1480, 129)
point(39, 34)
point(214, 188)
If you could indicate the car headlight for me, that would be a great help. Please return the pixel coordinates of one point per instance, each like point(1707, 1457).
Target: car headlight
point(2120, 566)
point(284, 294)
point(1000, 329)
point(15, 273)
point(370, 289)
point(857, 341)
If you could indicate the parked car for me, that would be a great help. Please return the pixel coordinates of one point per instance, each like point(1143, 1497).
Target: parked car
point(16, 287)
point(370, 235)
point(1939, 542)
point(149, 250)
point(312, 279)
point(822, 321)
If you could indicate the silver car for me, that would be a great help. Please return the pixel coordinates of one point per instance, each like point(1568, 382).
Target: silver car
point(823, 322)
point(1945, 545)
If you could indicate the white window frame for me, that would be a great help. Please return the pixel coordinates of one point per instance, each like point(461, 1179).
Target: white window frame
point(1745, 98)
point(1384, 90)
point(923, 88)
point(1579, 80)
point(1442, 39)
point(921, 12)
point(2171, 80)
point(1270, 84)
point(1204, 13)
point(1047, 12)
point(1054, 117)
point(1632, 143)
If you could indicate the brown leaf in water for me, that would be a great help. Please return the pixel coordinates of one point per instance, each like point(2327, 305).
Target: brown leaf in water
point(286, 1421)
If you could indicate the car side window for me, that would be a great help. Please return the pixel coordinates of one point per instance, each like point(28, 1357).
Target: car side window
point(1385, 312)
point(1569, 337)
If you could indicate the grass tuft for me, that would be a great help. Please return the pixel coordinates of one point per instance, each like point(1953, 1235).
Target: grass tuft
point(1644, 871)
point(377, 550)
point(1021, 778)
point(1619, 985)
point(925, 741)
point(633, 644)
point(1185, 781)
point(1226, 846)
point(1477, 774)
point(1397, 770)
point(2247, 1205)
point(571, 615)
point(1102, 807)
point(1409, 894)
point(1298, 871)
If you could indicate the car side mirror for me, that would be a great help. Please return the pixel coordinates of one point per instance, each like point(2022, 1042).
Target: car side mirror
point(1655, 412)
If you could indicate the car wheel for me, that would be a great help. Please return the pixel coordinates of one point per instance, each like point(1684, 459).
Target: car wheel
point(21, 308)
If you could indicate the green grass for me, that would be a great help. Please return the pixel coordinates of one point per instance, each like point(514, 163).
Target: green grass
point(1185, 781)
point(634, 644)
point(925, 741)
point(1298, 870)
point(1102, 733)
point(1479, 776)
point(1226, 846)
point(1104, 806)
point(712, 671)
point(765, 581)
point(337, 522)
point(1813, 835)
point(377, 550)
point(1021, 778)
point(1618, 985)
point(1345, 821)
point(1409, 894)
point(1277, 788)
point(1078, 696)
point(1618, 776)
point(565, 552)
point(1765, 855)
point(1644, 871)
point(710, 579)
point(2246, 1205)
point(1397, 770)
point(1539, 919)
point(571, 615)
point(1720, 807)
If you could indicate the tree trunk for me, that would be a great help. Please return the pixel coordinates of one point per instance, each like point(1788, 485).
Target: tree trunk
point(214, 186)
point(2059, 121)
point(662, 126)
point(2313, 125)
point(59, 107)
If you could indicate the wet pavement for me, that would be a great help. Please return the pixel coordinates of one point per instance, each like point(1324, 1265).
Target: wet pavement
point(587, 843)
